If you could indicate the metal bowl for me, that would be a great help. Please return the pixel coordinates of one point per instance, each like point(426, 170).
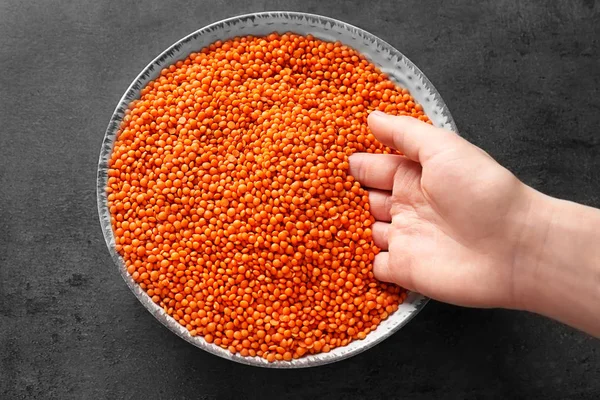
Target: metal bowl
point(401, 70)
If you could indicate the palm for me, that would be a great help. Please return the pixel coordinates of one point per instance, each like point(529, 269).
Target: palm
point(453, 227)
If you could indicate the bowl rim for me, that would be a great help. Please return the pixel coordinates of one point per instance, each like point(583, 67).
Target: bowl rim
point(162, 61)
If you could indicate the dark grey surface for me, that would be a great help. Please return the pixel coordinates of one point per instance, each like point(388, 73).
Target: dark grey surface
point(522, 80)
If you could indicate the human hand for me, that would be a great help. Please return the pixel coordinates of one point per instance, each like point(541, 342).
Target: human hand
point(450, 219)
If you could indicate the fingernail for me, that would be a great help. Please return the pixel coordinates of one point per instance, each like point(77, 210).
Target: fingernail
point(377, 113)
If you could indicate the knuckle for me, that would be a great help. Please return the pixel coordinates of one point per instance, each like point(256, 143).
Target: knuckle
point(388, 202)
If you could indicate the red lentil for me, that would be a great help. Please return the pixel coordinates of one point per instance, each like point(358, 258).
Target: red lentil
point(231, 201)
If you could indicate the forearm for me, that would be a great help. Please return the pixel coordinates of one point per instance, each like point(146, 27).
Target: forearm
point(559, 268)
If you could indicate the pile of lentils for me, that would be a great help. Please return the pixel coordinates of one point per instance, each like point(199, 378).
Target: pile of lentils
point(231, 201)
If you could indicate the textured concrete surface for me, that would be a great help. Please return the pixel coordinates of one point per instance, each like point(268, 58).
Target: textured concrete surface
point(521, 78)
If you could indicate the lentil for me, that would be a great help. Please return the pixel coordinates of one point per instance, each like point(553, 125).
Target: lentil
point(230, 197)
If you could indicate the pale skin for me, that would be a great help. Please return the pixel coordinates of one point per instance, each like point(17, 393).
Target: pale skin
point(458, 227)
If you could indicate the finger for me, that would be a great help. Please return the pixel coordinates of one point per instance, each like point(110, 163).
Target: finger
point(380, 234)
point(381, 267)
point(407, 181)
point(415, 139)
point(380, 205)
point(376, 170)
point(396, 270)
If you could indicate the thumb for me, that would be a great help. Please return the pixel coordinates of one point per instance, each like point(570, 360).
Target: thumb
point(415, 139)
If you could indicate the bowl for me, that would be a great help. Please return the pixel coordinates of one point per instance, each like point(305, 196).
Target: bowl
point(393, 63)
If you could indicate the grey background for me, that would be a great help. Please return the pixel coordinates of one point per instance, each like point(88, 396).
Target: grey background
point(521, 78)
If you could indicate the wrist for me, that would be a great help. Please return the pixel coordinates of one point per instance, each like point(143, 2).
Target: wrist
point(537, 226)
point(557, 265)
